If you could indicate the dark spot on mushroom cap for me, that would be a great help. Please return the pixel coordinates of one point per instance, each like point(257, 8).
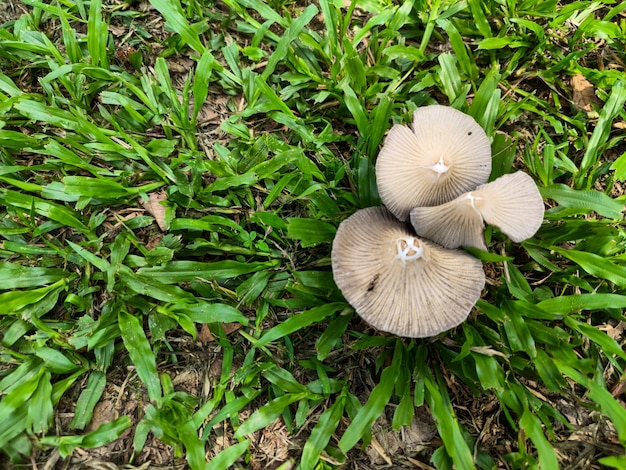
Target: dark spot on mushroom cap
point(469, 133)
point(372, 285)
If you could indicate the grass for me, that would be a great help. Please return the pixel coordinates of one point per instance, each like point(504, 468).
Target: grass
point(171, 179)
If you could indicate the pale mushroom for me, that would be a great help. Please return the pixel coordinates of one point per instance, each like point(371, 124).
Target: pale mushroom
point(511, 202)
point(443, 154)
point(399, 283)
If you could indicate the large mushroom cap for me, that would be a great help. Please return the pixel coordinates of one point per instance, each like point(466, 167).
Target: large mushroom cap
point(445, 154)
point(399, 283)
point(511, 202)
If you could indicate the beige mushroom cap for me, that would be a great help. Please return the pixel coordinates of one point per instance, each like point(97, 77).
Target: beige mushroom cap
point(443, 154)
point(511, 202)
point(453, 224)
point(399, 283)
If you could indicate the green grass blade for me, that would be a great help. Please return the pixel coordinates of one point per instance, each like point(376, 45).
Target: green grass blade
point(373, 408)
point(102, 264)
point(290, 35)
point(613, 106)
point(450, 78)
point(101, 188)
point(356, 108)
point(596, 265)
point(447, 424)
point(480, 19)
point(97, 35)
point(310, 232)
point(227, 458)
point(88, 399)
point(331, 14)
point(486, 103)
point(187, 271)
point(12, 302)
point(13, 276)
point(605, 342)
point(140, 353)
point(203, 312)
point(267, 414)
point(284, 380)
point(153, 288)
point(41, 412)
point(575, 303)
point(51, 210)
point(106, 433)
point(614, 461)
point(602, 397)
point(299, 321)
point(322, 433)
point(175, 18)
point(585, 200)
point(533, 429)
point(13, 424)
point(201, 79)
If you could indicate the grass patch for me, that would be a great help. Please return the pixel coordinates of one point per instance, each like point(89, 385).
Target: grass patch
point(172, 175)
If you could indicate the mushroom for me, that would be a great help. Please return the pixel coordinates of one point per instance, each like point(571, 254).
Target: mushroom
point(399, 283)
point(511, 202)
point(444, 154)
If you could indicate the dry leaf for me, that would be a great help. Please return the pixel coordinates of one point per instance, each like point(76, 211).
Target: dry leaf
point(583, 94)
point(154, 241)
point(180, 64)
point(205, 335)
point(615, 332)
point(155, 208)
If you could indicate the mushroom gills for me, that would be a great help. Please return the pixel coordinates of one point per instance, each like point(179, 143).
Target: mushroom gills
point(400, 283)
point(512, 203)
point(443, 154)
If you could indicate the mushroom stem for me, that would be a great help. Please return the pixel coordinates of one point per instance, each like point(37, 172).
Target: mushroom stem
point(473, 200)
point(409, 249)
point(440, 167)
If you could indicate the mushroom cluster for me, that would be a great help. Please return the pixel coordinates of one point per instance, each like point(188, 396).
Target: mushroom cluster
point(413, 280)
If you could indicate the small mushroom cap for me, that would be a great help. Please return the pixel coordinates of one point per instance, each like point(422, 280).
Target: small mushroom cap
point(453, 224)
point(443, 154)
point(399, 283)
point(511, 202)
